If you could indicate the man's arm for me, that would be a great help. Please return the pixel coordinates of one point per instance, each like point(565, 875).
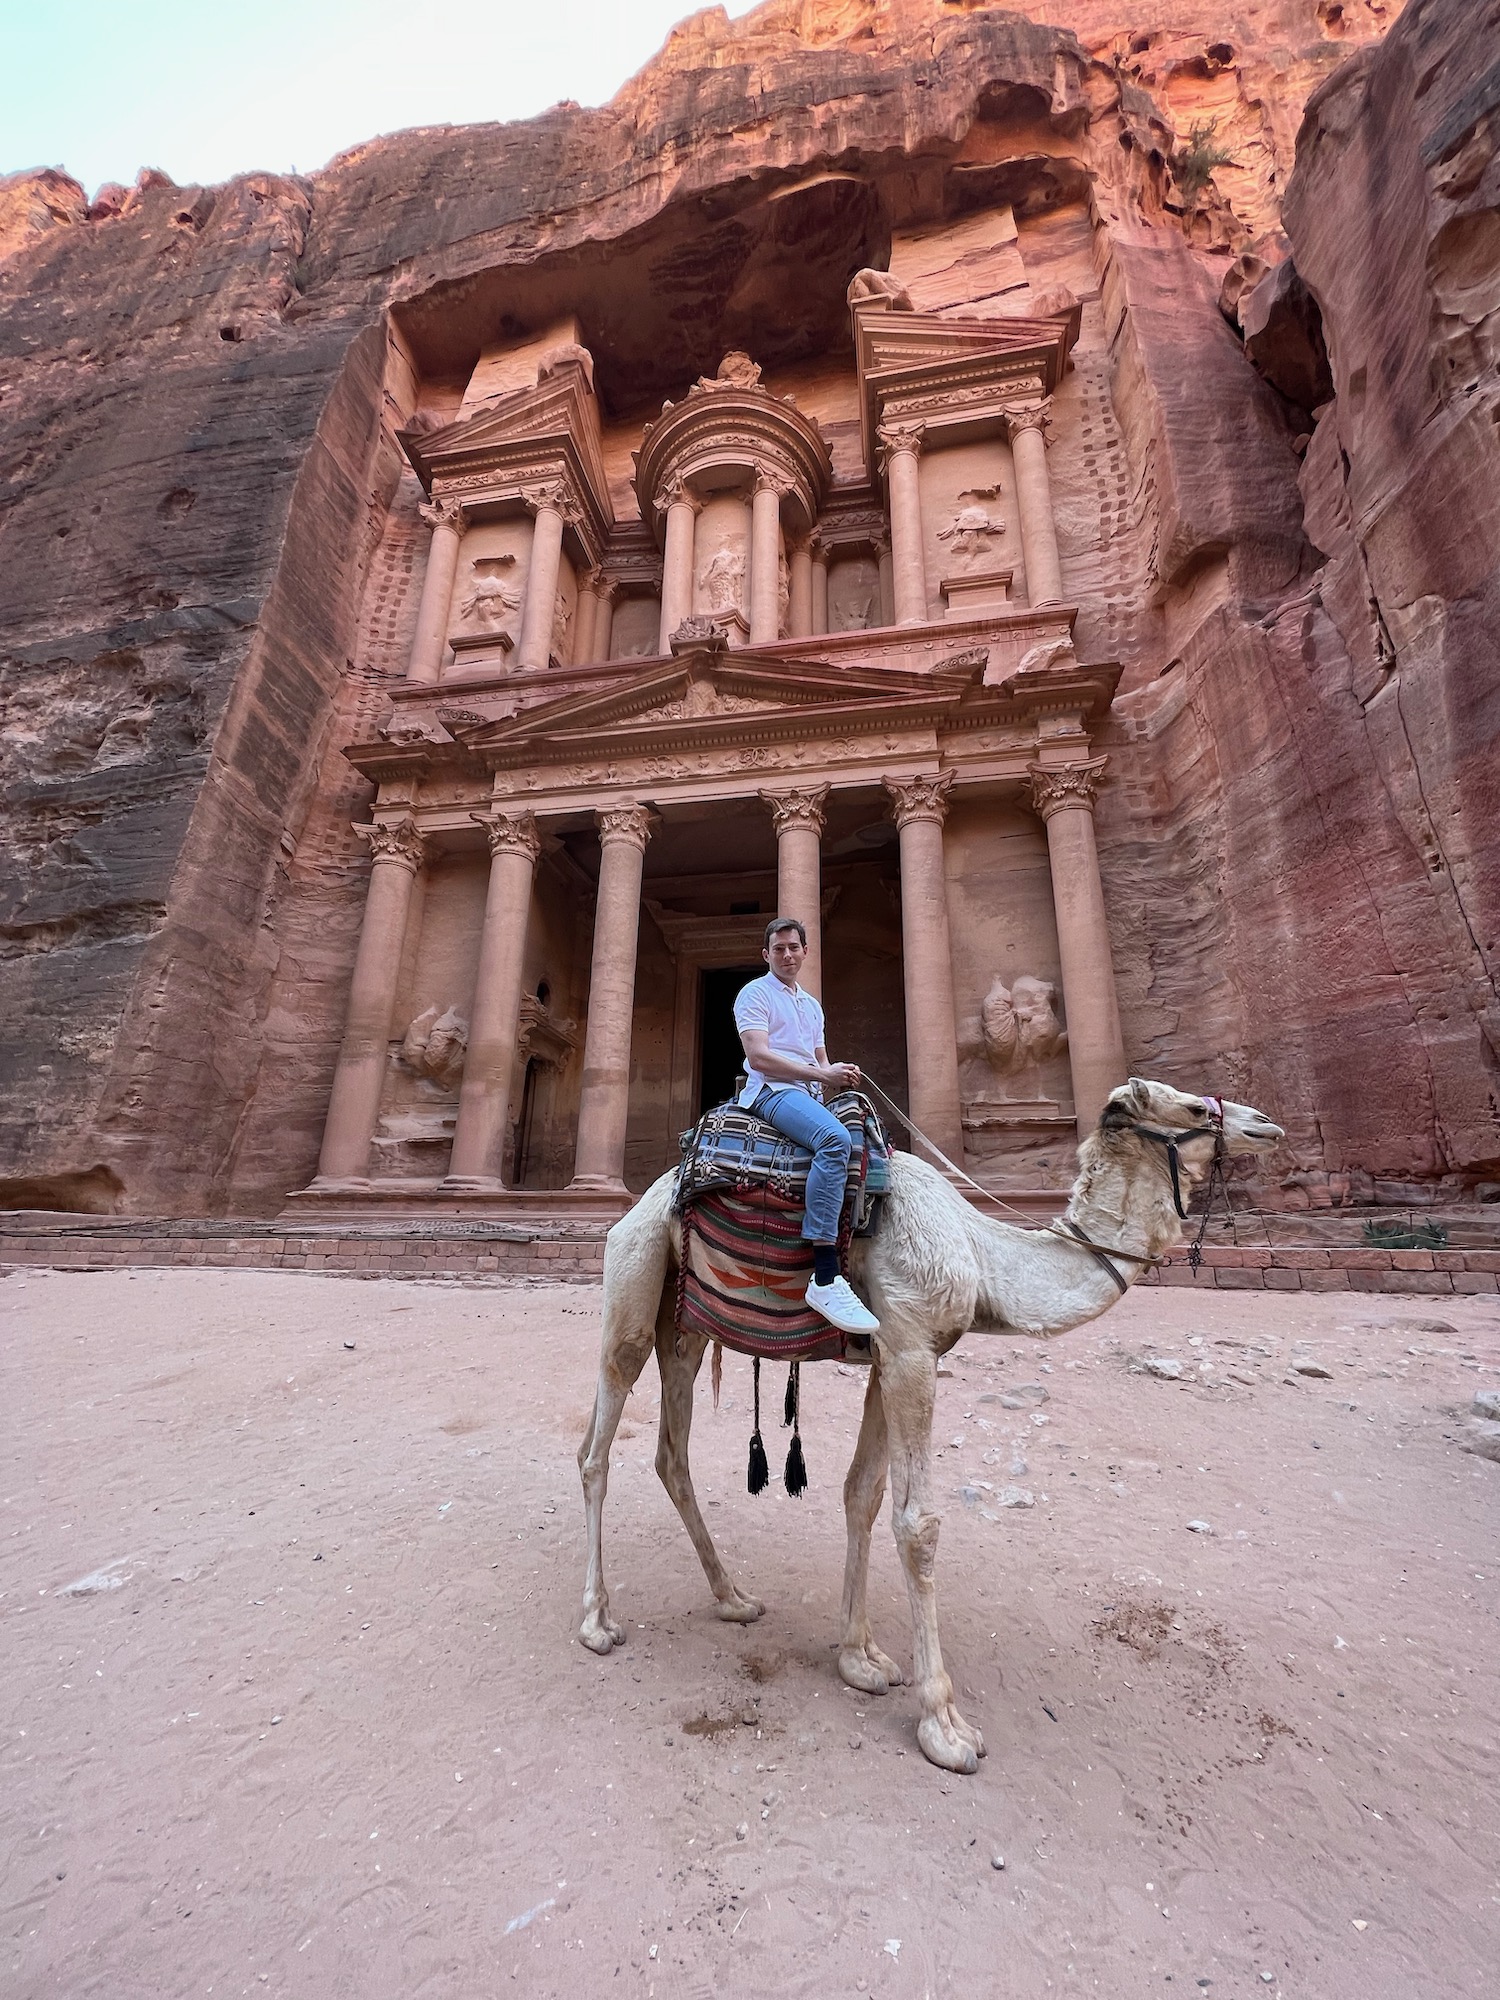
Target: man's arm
point(787, 1069)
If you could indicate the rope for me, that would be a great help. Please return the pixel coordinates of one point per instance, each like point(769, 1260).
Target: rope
point(868, 1082)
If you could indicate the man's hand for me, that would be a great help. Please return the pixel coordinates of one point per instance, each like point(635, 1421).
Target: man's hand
point(841, 1076)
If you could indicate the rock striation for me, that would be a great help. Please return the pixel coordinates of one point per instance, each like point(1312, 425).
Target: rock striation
point(1280, 519)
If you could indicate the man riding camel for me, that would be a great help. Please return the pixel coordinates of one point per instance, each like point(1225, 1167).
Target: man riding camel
point(781, 1029)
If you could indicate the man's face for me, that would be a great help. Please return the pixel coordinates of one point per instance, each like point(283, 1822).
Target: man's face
point(784, 954)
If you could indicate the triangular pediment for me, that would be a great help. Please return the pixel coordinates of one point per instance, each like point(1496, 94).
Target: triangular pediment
point(916, 340)
point(707, 694)
point(559, 413)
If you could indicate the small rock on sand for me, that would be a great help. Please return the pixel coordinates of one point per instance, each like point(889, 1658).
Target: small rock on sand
point(1486, 1404)
point(1483, 1440)
point(1314, 1368)
point(1165, 1366)
point(1199, 1528)
point(1014, 1496)
point(1027, 1393)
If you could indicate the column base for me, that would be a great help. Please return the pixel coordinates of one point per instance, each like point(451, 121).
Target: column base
point(459, 1197)
point(599, 1184)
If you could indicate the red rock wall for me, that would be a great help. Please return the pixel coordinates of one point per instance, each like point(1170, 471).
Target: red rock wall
point(203, 579)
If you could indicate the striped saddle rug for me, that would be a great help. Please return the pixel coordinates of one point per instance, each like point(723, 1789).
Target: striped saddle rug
point(730, 1148)
point(745, 1267)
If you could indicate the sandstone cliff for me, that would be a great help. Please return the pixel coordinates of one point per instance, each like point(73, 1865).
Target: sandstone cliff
point(201, 599)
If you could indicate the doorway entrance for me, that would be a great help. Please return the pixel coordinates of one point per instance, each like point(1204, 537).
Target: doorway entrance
point(721, 1057)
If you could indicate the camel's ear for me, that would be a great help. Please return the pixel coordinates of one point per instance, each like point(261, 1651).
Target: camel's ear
point(1140, 1093)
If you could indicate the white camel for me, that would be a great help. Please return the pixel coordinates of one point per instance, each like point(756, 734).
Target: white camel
point(936, 1270)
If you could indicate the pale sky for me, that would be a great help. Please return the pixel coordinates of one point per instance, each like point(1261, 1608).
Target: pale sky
point(208, 88)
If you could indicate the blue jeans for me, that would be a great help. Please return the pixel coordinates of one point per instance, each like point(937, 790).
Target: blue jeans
point(801, 1117)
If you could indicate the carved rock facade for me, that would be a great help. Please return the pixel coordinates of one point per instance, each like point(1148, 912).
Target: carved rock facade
point(1008, 612)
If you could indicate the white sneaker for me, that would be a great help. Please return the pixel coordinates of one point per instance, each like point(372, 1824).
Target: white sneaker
point(839, 1305)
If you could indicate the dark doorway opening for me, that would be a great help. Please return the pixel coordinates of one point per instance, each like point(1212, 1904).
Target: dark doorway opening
point(721, 1056)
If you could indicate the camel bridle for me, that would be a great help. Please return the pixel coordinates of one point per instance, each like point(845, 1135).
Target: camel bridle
point(1172, 1141)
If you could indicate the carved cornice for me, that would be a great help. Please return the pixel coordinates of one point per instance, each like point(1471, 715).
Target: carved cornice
point(1063, 787)
point(395, 841)
point(632, 823)
point(798, 807)
point(919, 798)
point(510, 833)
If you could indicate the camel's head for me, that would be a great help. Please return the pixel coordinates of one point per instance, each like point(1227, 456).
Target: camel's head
point(1162, 1109)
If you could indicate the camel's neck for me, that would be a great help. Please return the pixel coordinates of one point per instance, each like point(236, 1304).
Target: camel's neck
point(1124, 1196)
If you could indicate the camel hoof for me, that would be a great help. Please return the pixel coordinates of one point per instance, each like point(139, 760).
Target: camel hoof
point(885, 1665)
point(942, 1745)
point(857, 1669)
point(601, 1635)
point(741, 1610)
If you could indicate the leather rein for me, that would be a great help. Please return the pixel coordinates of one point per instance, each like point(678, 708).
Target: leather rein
point(1102, 1252)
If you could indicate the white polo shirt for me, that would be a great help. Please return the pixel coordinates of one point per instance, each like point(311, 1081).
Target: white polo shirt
point(793, 1021)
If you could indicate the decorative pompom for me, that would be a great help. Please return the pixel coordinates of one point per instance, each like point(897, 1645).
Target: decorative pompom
point(795, 1475)
point(759, 1477)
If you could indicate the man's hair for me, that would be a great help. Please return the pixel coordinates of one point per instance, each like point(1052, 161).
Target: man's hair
point(786, 924)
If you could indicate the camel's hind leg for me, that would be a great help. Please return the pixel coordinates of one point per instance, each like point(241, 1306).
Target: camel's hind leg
point(678, 1374)
point(635, 1295)
point(861, 1662)
point(909, 1389)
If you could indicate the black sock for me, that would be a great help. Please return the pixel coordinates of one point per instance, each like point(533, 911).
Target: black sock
point(825, 1263)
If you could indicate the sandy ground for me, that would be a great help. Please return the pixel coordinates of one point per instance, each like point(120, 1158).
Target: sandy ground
point(330, 1733)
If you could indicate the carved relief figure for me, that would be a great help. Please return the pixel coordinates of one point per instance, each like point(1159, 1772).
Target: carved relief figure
point(878, 285)
point(1020, 1024)
point(722, 580)
point(562, 619)
point(736, 371)
point(435, 1045)
point(971, 531)
point(493, 598)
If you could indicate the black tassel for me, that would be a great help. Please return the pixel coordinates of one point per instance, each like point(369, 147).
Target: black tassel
point(795, 1476)
point(759, 1477)
point(789, 1407)
point(796, 1471)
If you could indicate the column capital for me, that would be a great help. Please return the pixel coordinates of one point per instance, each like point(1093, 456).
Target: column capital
point(552, 494)
point(632, 823)
point(895, 438)
point(398, 840)
point(1056, 788)
point(510, 833)
point(605, 588)
point(675, 492)
point(818, 549)
point(443, 513)
point(1029, 417)
point(771, 479)
point(920, 798)
point(798, 807)
point(881, 544)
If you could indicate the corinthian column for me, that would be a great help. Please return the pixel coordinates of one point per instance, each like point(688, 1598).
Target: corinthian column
point(534, 648)
point(677, 561)
point(1064, 796)
point(819, 552)
point(446, 520)
point(901, 446)
point(798, 816)
point(586, 620)
point(354, 1104)
point(604, 1106)
point(765, 560)
point(799, 616)
point(484, 1096)
point(919, 807)
point(1028, 444)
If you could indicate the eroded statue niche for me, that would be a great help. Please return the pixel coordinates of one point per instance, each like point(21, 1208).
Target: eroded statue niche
point(722, 581)
point(434, 1046)
point(973, 528)
point(493, 600)
point(1019, 1024)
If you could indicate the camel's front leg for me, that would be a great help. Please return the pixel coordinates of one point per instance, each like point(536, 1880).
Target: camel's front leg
point(909, 1392)
point(861, 1662)
point(678, 1374)
point(627, 1343)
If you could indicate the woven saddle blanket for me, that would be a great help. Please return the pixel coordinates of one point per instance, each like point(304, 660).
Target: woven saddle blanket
point(731, 1149)
point(745, 1267)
